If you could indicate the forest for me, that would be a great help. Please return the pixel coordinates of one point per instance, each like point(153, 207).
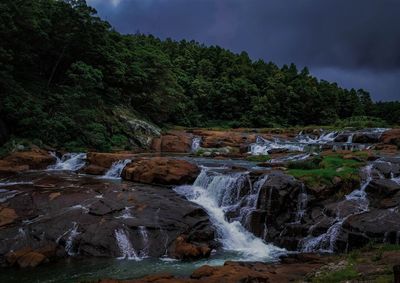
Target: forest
point(64, 71)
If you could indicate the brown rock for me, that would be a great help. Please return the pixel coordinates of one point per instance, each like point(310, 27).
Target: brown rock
point(35, 159)
point(12, 257)
point(31, 259)
point(188, 251)
point(391, 137)
point(174, 141)
point(99, 163)
point(7, 216)
point(216, 139)
point(161, 170)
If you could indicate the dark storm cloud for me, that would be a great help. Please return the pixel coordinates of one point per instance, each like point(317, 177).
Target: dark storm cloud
point(355, 42)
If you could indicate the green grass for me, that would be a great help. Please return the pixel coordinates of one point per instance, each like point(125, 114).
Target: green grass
point(258, 158)
point(323, 171)
point(344, 274)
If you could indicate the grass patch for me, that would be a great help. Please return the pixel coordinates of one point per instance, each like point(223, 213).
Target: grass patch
point(347, 273)
point(323, 170)
point(258, 158)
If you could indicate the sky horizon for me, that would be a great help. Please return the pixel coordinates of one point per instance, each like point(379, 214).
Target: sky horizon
point(355, 44)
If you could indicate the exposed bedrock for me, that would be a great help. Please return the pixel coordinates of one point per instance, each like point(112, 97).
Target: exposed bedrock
point(85, 216)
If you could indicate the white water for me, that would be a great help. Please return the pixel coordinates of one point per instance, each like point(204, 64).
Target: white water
point(116, 169)
point(69, 161)
point(6, 195)
point(301, 204)
point(125, 246)
point(9, 184)
point(69, 244)
point(196, 141)
point(126, 214)
point(262, 146)
point(322, 139)
point(144, 252)
point(326, 242)
point(216, 192)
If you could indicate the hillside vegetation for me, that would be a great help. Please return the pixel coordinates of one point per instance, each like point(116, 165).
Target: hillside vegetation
point(64, 73)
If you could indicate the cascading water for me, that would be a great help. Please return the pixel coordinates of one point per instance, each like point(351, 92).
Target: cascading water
point(125, 245)
point(323, 138)
point(116, 169)
point(262, 146)
point(69, 244)
point(217, 193)
point(69, 161)
point(196, 142)
point(301, 204)
point(144, 252)
point(326, 242)
point(126, 214)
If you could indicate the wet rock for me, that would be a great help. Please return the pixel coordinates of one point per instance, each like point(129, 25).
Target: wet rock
point(217, 139)
point(161, 170)
point(174, 141)
point(386, 168)
point(382, 188)
point(7, 216)
point(362, 228)
point(366, 137)
point(98, 163)
point(391, 136)
point(21, 161)
point(188, 251)
point(31, 259)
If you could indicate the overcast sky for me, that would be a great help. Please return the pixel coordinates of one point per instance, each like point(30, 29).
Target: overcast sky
point(353, 42)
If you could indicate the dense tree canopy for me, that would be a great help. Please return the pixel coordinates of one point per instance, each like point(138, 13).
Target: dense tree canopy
point(63, 70)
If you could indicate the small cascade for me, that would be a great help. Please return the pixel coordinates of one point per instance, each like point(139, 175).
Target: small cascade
point(124, 245)
point(350, 138)
point(322, 139)
point(326, 242)
point(262, 146)
point(5, 195)
point(196, 142)
point(126, 214)
point(216, 193)
point(116, 169)
point(144, 252)
point(69, 244)
point(68, 162)
point(301, 204)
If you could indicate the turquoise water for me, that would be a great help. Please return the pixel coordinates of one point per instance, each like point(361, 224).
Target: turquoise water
point(76, 270)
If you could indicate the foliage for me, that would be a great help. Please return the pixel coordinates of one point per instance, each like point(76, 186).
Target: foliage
point(342, 275)
point(362, 122)
point(63, 70)
point(322, 171)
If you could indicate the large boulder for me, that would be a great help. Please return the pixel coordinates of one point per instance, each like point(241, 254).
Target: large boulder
point(25, 160)
point(189, 251)
point(174, 141)
point(217, 139)
point(391, 137)
point(98, 163)
point(161, 170)
point(65, 214)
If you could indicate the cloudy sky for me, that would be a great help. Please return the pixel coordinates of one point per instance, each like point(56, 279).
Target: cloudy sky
point(353, 42)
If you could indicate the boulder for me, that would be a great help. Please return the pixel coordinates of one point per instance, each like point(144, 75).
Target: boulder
point(366, 137)
point(382, 188)
point(176, 141)
point(25, 160)
point(99, 163)
point(391, 137)
point(7, 216)
point(31, 259)
point(217, 139)
point(161, 170)
point(188, 251)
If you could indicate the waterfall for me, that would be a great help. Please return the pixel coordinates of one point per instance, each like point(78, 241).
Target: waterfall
point(350, 138)
point(301, 204)
point(116, 169)
point(69, 244)
point(262, 146)
point(217, 193)
point(5, 195)
point(144, 252)
point(126, 214)
point(326, 242)
point(196, 141)
point(69, 161)
point(124, 245)
point(322, 139)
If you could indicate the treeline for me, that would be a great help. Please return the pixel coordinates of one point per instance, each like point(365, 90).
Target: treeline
point(63, 71)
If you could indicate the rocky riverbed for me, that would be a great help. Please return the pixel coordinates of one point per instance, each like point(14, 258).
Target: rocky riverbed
point(276, 200)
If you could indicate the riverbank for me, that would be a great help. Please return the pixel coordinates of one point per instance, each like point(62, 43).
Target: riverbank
point(203, 197)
